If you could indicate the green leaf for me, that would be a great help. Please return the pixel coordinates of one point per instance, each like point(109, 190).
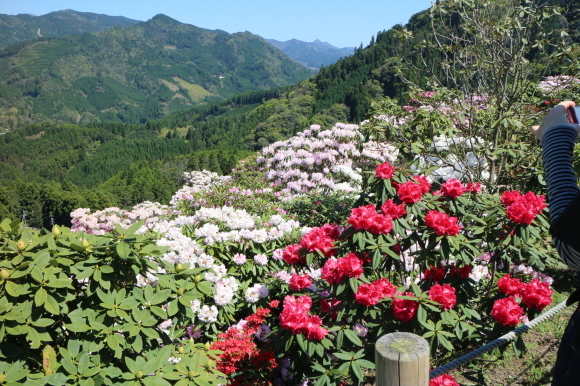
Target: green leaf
point(353, 337)
point(40, 296)
point(123, 250)
point(357, 370)
point(301, 342)
point(51, 305)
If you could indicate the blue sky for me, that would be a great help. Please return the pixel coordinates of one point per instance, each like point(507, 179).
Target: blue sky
point(338, 22)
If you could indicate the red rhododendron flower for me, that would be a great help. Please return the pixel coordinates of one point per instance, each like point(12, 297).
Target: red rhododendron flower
point(327, 306)
point(435, 274)
point(424, 183)
point(298, 282)
point(394, 211)
point(404, 309)
point(465, 271)
point(444, 295)
point(510, 196)
point(385, 170)
point(443, 380)
point(334, 270)
point(536, 294)
point(510, 286)
point(291, 254)
point(366, 218)
point(473, 187)
point(318, 240)
point(523, 209)
point(410, 192)
point(453, 188)
point(295, 318)
point(371, 294)
point(443, 224)
point(507, 312)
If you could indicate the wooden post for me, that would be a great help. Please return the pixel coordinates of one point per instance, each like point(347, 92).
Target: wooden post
point(402, 359)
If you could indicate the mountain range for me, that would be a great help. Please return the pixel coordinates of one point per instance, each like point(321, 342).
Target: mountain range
point(18, 28)
point(311, 54)
point(136, 73)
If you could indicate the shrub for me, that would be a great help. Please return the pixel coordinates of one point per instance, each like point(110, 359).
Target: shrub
point(72, 312)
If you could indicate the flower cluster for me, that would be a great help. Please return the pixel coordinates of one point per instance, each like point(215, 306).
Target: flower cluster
point(106, 220)
point(316, 160)
point(522, 208)
point(404, 309)
point(534, 295)
point(295, 318)
point(335, 270)
point(371, 294)
point(366, 218)
point(444, 295)
point(239, 349)
point(443, 224)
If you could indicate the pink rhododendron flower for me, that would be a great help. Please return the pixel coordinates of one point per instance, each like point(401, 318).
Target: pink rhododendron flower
point(366, 218)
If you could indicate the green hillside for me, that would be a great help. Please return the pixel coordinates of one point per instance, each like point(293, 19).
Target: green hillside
point(17, 28)
point(134, 74)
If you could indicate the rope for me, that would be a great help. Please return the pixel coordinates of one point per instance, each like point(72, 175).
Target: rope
point(496, 343)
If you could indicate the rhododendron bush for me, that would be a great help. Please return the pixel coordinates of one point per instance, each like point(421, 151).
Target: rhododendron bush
point(448, 261)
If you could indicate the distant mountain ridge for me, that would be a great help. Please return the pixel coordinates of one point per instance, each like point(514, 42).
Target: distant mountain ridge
point(14, 29)
point(312, 54)
point(134, 74)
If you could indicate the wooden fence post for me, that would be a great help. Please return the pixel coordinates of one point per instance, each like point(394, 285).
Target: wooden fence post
point(402, 359)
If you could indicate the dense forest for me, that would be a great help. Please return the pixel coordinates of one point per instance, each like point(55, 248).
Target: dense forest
point(48, 169)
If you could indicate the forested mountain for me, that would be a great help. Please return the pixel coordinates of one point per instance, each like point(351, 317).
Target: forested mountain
point(134, 74)
point(311, 54)
point(18, 28)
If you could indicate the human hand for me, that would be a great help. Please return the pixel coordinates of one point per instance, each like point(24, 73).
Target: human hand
point(555, 117)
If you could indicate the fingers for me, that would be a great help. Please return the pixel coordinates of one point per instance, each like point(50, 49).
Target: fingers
point(566, 104)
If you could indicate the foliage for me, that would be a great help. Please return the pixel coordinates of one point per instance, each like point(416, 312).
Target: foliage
point(316, 209)
point(428, 264)
point(72, 314)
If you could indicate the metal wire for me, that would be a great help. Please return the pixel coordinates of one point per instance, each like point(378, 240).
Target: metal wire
point(496, 343)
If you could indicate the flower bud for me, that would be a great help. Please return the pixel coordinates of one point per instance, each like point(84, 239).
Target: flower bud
point(179, 267)
point(139, 374)
point(21, 245)
point(56, 230)
point(180, 291)
point(210, 363)
point(197, 279)
point(191, 374)
point(85, 243)
point(180, 350)
point(4, 274)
